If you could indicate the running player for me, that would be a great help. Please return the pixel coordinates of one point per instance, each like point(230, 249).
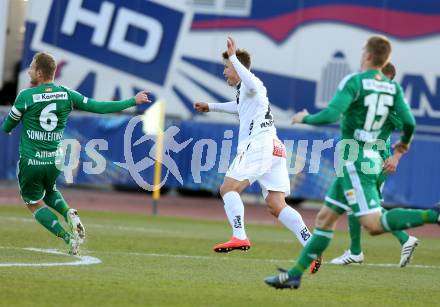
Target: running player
point(354, 254)
point(260, 154)
point(43, 110)
point(364, 100)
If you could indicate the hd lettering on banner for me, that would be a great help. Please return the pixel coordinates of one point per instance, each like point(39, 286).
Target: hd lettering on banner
point(126, 35)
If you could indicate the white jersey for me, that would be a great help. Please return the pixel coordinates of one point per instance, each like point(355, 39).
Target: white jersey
point(252, 106)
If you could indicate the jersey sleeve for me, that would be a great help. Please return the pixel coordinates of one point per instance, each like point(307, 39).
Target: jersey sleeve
point(395, 121)
point(245, 75)
point(83, 103)
point(225, 107)
point(345, 95)
point(405, 115)
point(15, 114)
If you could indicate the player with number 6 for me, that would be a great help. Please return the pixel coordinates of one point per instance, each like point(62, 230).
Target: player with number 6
point(43, 110)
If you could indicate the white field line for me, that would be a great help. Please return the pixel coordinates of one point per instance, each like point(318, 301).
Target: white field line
point(268, 260)
point(151, 230)
point(115, 227)
point(81, 260)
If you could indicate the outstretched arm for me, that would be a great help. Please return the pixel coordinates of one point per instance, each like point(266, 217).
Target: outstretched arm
point(225, 107)
point(91, 105)
point(408, 122)
point(331, 114)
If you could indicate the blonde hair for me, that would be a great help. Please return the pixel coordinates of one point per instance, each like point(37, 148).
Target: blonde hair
point(379, 47)
point(46, 64)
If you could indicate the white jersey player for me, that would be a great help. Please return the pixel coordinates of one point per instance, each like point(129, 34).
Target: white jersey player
point(260, 154)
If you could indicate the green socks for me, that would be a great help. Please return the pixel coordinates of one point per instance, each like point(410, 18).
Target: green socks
point(397, 219)
point(354, 228)
point(314, 248)
point(50, 221)
point(401, 235)
point(355, 234)
point(56, 201)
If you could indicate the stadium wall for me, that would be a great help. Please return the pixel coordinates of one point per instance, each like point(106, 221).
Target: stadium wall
point(109, 49)
point(200, 163)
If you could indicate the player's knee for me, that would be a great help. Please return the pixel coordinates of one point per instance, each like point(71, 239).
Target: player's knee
point(275, 208)
point(227, 187)
point(324, 220)
point(275, 204)
point(273, 211)
point(373, 229)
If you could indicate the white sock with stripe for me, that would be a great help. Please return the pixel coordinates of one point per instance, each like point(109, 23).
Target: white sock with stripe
point(234, 209)
point(291, 218)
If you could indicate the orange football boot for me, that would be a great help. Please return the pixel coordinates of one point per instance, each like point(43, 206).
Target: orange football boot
point(233, 243)
point(316, 264)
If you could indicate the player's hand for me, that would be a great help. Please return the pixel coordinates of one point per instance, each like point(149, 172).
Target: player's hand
point(401, 147)
point(232, 48)
point(299, 117)
point(142, 97)
point(201, 106)
point(390, 164)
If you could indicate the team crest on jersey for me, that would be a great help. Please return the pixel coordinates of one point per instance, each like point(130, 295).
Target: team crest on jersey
point(48, 89)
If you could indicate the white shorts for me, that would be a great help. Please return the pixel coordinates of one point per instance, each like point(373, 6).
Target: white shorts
point(263, 160)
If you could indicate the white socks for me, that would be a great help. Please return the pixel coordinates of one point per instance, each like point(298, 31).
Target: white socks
point(235, 211)
point(294, 222)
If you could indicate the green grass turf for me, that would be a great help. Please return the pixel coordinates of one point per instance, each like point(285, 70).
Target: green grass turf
point(161, 261)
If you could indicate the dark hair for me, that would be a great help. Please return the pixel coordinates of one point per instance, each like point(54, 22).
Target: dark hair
point(389, 71)
point(380, 49)
point(243, 56)
point(46, 64)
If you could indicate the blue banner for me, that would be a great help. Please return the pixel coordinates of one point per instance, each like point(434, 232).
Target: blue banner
point(196, 158)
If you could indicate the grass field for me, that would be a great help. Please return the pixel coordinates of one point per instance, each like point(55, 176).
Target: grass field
point(158, 261)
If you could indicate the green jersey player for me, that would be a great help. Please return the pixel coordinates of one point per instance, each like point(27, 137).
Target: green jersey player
point(43, 111)
point(364, 101)
point(354, 254)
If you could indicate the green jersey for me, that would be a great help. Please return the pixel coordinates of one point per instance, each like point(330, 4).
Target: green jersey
point(43, 111)
point(365, 100)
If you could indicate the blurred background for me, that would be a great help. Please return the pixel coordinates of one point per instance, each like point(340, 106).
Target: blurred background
point(110, 49)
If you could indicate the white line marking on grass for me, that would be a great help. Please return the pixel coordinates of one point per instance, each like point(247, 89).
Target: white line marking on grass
point(82, 260)
point(137, 229)
point(151, 230)
point(210, 258)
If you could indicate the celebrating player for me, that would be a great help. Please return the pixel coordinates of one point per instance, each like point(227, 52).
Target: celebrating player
point(354, 254)
point(260, 154)
point(43, 110)
point(364, 100)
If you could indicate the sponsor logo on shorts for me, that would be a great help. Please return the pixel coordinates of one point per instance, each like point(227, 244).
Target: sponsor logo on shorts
point(350, 195)
point(373, 203)
point(279, 150)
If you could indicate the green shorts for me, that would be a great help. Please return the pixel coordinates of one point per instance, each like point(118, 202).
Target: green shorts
point(381, 183)
point(35, 179)
point(354, 192)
